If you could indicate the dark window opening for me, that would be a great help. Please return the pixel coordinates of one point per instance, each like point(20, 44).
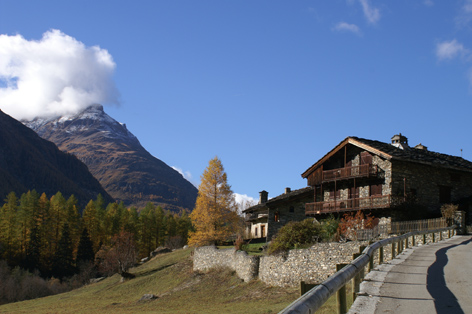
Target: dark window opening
point(375, 189)
point(276, 217)
point(291, 209)
point(444, 194)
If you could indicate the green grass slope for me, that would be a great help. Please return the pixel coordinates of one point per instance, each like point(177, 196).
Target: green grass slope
point(179, 290)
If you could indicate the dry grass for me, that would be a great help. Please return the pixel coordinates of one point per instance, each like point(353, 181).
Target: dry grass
point(179, 290)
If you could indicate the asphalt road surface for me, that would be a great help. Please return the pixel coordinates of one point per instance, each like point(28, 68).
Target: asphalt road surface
point(433, 278)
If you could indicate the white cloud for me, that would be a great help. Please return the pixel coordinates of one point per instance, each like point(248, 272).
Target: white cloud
point(53, 76)
point(467, 7)
point(449, 50)
point(371, 14)
point(428, 3)
point(346, 27)
point(465, 14)
point(244, 201)
point(186, 174)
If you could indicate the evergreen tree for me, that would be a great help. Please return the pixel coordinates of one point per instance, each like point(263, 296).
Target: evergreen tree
point(63, 263)
point(33, 251)
point(8, 229)
point(215, 215)
point(85, 249)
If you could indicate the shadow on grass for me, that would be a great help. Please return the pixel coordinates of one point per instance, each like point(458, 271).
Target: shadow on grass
point(150, 272)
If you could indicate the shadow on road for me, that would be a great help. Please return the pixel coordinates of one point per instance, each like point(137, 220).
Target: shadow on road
point(444, 300)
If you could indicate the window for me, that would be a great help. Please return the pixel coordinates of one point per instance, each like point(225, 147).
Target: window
point(332, 194)
point(291, 209)
point(276, 217)
point(255, 232)
point(376, 189)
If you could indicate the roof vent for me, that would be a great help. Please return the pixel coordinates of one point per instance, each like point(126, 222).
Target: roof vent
point(421, 146)
point(400, 141)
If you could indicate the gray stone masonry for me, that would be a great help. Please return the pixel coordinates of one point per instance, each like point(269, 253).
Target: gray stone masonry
point(207, 257)
point(312, 265)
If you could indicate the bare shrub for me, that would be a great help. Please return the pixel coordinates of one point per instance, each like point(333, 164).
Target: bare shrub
point(447, 211)
point(175, 242)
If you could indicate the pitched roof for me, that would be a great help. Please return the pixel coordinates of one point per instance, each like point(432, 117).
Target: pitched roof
point(389, 151)
point(280, 198)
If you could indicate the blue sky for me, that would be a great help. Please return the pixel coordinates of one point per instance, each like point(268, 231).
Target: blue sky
point(271, 86)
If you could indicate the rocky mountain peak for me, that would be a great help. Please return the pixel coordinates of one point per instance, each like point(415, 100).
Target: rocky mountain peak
point(116, 158)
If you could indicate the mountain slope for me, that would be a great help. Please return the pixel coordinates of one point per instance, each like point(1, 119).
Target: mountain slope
point(116, 158)
point(29, 162)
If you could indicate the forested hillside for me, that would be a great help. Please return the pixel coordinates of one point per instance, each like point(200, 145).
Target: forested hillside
point(29, 162)
point(50, 235)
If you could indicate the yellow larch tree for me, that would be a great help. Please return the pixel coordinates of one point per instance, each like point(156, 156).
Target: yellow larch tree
point(215, 215)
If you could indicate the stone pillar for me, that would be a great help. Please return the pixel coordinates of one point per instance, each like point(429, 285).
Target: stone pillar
point(459, 221)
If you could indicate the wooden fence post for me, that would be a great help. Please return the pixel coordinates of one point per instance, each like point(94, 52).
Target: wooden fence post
point(393, 250)
point(341, 294)
point(381, 255)
point(413, 241)
point(440, 236)
point(433, 237)
point(424, 238)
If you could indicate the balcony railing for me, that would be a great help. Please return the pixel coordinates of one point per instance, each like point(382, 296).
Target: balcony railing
point(367, 170)
point(372, 202)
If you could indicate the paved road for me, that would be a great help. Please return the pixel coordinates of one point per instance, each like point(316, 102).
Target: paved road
point(434, 278)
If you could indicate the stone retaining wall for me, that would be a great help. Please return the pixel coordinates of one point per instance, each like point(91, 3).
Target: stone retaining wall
point(207, 257)
point(312, 265)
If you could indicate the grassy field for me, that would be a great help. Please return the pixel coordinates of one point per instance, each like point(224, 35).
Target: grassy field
point(179, 290)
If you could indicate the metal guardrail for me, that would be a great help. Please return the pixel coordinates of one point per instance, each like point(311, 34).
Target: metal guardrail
point(316, 297)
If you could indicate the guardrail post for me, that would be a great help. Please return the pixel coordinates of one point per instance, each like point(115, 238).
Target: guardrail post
point(434, 238)
point(381, 255)
point(393, 250)
point(406, 243)
point(424, 238)
point(356, 281)
point(371, 263)
point(413, 240)
point(341, 294)
point(440, 236)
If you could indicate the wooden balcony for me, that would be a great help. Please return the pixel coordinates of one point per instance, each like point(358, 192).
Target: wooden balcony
point(372, 202)
point(367, 170)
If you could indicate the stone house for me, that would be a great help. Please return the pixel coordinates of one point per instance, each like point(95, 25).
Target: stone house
point(265, 219)
point(368, 175)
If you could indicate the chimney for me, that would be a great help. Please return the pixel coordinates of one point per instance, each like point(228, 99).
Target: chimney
point(400, 141)
point(263, 195)
point(288, 190)
point(421, 146)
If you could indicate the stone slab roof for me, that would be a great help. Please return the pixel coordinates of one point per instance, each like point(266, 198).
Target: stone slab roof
point(282, 197)
point(419, 155)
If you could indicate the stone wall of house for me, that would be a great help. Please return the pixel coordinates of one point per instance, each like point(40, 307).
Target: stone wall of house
point(426, 181)
point(284, 215)
point(208, 257)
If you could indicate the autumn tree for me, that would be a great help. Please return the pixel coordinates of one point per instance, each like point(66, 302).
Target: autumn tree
point(215, 215)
